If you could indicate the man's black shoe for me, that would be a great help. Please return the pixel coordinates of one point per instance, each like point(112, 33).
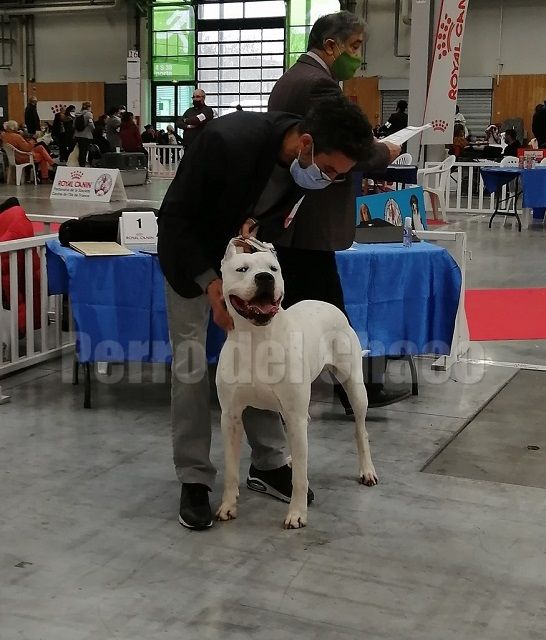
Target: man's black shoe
point(382, 398)
point(195, 510)
point(276, 483)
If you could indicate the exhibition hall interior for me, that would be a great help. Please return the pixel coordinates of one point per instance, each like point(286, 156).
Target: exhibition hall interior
point(272, 319)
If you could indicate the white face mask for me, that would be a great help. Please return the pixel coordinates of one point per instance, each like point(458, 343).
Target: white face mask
point(310, 177)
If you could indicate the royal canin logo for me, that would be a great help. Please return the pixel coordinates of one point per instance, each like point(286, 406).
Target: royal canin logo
point(439, 125)
point(449, 43)
point(76, 175)
point(75, 181)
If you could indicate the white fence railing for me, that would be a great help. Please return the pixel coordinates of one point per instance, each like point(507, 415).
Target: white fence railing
point(41, 337)
point(163, 159)
point(465, 191)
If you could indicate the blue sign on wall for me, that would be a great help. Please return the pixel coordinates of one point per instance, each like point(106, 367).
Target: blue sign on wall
point(393, 206)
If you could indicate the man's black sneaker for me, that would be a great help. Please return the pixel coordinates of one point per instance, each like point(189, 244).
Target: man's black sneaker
point(383, 398)
point(195, 510)
point(275, 482)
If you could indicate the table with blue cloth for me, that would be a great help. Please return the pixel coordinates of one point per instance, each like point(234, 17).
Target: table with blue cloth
point(401, 301)
point(494, 179)
point(533, 188)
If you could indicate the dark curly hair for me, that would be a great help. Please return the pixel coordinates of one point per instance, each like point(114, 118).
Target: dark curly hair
point(336, 124)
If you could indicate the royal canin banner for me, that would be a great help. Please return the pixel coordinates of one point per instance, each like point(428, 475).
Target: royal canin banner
point(444, 78)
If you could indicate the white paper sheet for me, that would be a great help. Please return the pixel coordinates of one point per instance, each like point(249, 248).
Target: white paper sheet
point(405, 134)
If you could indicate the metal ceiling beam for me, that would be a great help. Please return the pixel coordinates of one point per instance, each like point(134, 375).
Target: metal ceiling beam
point(58, 7)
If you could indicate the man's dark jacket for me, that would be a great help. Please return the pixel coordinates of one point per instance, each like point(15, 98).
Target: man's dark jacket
point(216, 187)
point(539, 126)
point(32, 119)
point(326, 219)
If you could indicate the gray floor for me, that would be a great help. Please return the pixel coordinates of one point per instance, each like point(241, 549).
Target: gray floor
point(506, 442)
point(90, 548)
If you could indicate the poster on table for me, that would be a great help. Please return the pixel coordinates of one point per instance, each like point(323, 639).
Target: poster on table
point(393, 206)
point(89, 184)
point(444, 78)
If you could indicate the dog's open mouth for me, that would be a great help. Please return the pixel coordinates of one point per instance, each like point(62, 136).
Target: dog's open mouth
point(259, 310)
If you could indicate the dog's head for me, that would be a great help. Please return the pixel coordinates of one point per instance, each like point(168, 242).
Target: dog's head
point(252, 281)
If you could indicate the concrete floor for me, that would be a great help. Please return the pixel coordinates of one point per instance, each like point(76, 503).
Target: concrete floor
point(90, 548)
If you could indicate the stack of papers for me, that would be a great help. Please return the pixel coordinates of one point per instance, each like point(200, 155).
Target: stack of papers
point(100, 249)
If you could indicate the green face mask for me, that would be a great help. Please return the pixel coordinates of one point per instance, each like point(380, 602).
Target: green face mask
point(345, 66)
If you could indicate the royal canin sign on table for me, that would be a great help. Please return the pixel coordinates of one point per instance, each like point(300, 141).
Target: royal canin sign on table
point(87, 183)
point(444, 79)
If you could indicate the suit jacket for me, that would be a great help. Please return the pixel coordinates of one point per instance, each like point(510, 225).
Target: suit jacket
point(217, 185)
point(326, 219)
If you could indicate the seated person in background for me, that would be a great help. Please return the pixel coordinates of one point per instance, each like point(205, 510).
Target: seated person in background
point(512, 144)
point(24, 147)
point(459, 141)
point(129, 134)
point(131, 140)
point(149, 135)
point(172, 136)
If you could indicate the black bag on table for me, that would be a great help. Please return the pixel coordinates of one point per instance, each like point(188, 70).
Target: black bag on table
point(123, 161)
point(97, 227)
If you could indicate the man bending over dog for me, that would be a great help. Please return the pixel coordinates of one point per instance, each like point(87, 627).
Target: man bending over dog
point(243, 167)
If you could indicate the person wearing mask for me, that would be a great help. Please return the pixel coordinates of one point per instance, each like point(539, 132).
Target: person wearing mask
point(539, 125)
point(243, 164)
point(325, 221)
point(512, 144)
point(32, 119)
point(195, 118)
point(113, 123)
point(83, 132)
point(39, 152)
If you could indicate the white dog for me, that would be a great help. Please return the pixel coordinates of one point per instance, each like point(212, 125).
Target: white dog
point(270, 360)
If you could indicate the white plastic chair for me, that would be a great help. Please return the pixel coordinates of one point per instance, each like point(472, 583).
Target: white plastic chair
point(10, 153)
point(441, 174)
point(509, 161)
point(404, 159)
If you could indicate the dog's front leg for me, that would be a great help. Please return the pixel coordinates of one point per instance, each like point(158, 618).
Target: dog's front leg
point(296, 429)
point(232, 430)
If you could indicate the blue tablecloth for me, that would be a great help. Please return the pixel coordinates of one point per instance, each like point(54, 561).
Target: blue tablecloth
point(399, 301)
point(533, 185)
point(496, 177)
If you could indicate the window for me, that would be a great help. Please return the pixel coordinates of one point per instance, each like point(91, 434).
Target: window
point(302, 15)
point(239, 66)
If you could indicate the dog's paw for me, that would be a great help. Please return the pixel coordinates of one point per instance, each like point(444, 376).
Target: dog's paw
point(369, 478)
point(226, 512)
point(295, 520)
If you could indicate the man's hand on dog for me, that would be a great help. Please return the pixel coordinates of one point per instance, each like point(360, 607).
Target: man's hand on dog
point(249, 228)
point(220, 314)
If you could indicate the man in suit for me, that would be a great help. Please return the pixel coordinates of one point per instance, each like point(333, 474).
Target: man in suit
point(242, 168)
point(325, 222)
